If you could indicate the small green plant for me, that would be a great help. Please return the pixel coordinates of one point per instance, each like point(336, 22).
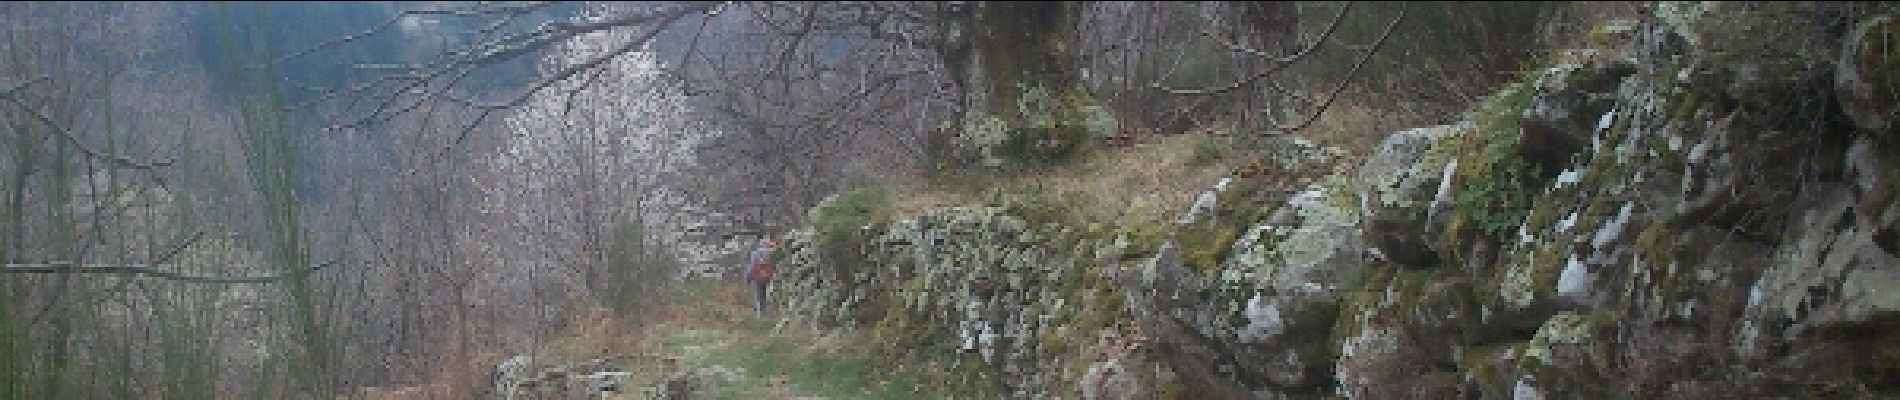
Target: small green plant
point(1499, 202)
point(846, 221)
point(1497, 185)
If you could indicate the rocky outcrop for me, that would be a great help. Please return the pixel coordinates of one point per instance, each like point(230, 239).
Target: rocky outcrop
point(1159, 295)
point(1829, 271)
point(1405, 194)
point(992, 287)
point(523, 377)
point(1662, 215)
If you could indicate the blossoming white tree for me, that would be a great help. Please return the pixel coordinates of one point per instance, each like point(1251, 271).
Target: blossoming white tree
point(592, 155)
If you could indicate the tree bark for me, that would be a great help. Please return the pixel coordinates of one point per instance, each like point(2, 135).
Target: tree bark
point(1025, 98)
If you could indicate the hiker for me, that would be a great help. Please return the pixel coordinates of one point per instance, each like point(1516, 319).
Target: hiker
point(760, 272)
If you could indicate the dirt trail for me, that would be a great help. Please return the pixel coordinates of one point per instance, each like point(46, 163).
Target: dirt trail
point(705, 342)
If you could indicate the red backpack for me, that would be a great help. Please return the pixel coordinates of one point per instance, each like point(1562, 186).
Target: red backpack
point(762, 269)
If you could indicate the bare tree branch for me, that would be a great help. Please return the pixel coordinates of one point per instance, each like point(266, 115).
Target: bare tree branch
point(151, 270)
point(509, 10)
point(117, 160)
point(1343, 81)
point(179, 248)
point(568, 72)
point(1279, 63)
point(416, 85)
point(9, 93)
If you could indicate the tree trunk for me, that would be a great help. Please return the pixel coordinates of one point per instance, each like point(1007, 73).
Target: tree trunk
point(1025, 99)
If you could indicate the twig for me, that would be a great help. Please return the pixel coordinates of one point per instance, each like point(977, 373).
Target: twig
point(1334, 94)
point(570, 71)
point(454, 65)
point(1279, 63)
point(22, 86)
point(1234, 46)
point(392, 21)
point(179, 248)
point(121, 161)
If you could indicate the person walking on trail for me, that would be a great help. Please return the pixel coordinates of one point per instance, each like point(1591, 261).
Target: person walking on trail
point(759, 274)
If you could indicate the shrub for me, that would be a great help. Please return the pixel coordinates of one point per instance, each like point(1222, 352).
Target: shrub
point(635, 269)
point(844, 222)
point(1056, 128)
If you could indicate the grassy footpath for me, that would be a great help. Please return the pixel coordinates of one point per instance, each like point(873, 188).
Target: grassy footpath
point(745, 366)
point(709, 327)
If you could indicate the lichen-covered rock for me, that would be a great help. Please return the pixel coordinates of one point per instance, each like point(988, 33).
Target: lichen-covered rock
point(1163, 299)
point(1268, 307)
point(1205, 203)
point(523, 377)
point(1111, 380)
point(1368, 360)
point(1397, 338)
point(1682, 17)
point(1866, 74)
point(1311, 245)
point(1662, 220)
point(973, 281)
point(1569, 102)
point(1561, 353)
point(1404, 193)
point(1264, 314)
point(510, 374)
point(1829, 271)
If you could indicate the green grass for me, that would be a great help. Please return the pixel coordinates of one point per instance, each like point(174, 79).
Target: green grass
point(850, 372)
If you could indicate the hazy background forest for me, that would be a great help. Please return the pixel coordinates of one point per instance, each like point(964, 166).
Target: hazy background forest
point(310, 199)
